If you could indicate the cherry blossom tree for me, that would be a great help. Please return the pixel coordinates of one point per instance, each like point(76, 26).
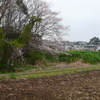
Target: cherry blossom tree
point(51, 27)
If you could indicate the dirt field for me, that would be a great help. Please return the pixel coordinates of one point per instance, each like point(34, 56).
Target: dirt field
point(78, 86)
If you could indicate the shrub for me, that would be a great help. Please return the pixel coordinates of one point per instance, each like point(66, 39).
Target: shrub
point(9, 68)
point(8, 57)
point(68, 59)
point(34, 56)
point(50, 57)
point(62, 57)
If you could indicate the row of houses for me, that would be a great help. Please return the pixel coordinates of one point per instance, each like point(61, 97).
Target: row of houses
point(67, 45)
point(89, 47)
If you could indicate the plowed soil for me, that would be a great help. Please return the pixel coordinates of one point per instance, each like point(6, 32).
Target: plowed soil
point(77, 86)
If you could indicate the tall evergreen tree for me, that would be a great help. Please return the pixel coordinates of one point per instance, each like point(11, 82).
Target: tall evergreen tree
point(94, 40)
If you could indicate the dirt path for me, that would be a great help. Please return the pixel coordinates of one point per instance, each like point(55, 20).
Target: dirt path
point(49, 70)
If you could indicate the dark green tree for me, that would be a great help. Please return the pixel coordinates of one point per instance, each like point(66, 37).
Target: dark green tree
point(9, 51)
point(94, 41)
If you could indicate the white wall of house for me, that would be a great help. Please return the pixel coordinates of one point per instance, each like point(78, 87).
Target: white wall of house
point(67, 48)
point(98, 48)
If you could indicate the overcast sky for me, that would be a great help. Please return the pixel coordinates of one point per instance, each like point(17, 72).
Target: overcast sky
point(83, 16)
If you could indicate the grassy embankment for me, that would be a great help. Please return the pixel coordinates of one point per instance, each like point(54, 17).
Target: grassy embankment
point(86, 56)
point(92, 57)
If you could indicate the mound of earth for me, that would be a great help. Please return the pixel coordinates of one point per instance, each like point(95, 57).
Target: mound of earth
point(77, 86)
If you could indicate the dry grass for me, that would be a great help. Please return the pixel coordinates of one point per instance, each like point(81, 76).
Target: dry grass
point(73, 65)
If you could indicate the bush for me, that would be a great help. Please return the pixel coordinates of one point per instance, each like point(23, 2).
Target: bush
point(8, 57)
point(34, 56)
point(68, 59)
point(9, 68)
point(50, 57)
point(62, 57)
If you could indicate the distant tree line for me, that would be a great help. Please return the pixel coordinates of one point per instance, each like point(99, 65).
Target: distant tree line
point(95, 41)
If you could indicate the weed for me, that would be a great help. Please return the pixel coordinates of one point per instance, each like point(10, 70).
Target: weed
point(13, 76)
point(3, 77)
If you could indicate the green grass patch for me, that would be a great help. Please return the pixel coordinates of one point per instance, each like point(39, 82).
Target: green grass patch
point(13, 76)
point(49, 73)
point(3, 77)
point(61, 72)
point(92, 57)
point(58, 72)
